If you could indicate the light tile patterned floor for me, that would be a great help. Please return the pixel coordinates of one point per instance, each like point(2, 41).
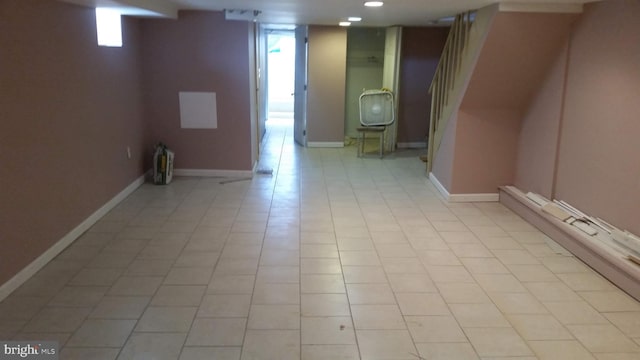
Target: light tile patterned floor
point(332, 257)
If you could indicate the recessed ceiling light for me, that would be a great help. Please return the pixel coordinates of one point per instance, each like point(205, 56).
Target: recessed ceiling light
point(373, 3)
point(354, 18)
point(344, 23)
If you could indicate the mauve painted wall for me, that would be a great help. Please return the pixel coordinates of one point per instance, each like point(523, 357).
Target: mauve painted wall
point(327, 69)
point(202, 52)
point(538, 139)
point(68, 110)
point(518, 51)
point(421, 50)
point(599, 160)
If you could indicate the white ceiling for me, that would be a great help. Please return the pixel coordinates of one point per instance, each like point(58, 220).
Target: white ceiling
point(327, 12)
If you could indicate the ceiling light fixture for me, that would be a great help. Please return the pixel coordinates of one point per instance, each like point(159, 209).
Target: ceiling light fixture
point(354, 18)
point(373, 3)
point(344, 23)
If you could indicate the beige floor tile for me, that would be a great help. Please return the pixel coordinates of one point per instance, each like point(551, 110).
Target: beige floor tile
point(411, 283)
point(463, 293)
point(189, 276)
point(484, 265)
point(359, 257)
point(440, 274)
point(327, 331)
point(560, 350)
point(271, 345)
point(403, 266)
point(178, 295)
point(197, 259)
point(438, 257)
point(377, 317)
point(278, 274)
point(515, 257)
point(323, 352)
point(532, 273)
point(552, 291)
point(149, 267)
point(364, 274)
point(421, 304)
point(564, 265)
point(231, 284)
point(498, 342)
point(475, 250)
point(611, 301)
point(266, 317)
point(430, 329)
point(57, 319)
point(395, 251)
point(102, 333)
point(322, 284)
point(493, 283)
point(225, 306)
point(603, 338)
point(136, 286)
point(234, 251)
point(575, 312)
point(518, 303)
point(319, 250)
point(616, 356)
point(587, 281)
point(96, 277)
point(120, 307)
point(237, 267)
point(320, 266)
point(282, 294)
point(370, 294)
point(207, 353)
point(447, 351)
point(69, 353)
point(386, 344)
point(501, 243)
point(478, 315)
point(325, 305)
point(78, 296)
point(627, 322)
point(270, 257)
point(157, 346)
point(217, 332)
point(539, 327)
point(166, 319)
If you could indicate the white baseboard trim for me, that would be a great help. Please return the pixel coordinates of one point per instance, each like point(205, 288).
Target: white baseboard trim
point(25, 274)
point(412, 145)
point(488, 197)
point(443, 191)
point(213, 173)
point(325, 144)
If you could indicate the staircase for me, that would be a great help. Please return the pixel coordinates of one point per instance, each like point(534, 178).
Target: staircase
point(444, 84)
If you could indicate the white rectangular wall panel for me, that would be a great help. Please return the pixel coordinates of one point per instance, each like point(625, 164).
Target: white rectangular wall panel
point(198, 110)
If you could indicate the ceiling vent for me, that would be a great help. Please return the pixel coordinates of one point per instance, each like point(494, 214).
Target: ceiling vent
point(239, 14)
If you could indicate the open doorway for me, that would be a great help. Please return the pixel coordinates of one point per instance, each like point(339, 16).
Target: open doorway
point(280, 77)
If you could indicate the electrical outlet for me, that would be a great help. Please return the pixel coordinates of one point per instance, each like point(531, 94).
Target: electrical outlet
point(128, 152)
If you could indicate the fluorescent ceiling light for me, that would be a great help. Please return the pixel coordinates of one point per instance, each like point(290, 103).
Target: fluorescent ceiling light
point(373, 3)
point(344, 23)
point(354, 18)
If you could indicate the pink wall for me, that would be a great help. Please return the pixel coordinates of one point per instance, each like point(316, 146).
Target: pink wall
point(516, 55)
point(599, 159)
point(421, 50)
point(199, 52)
point(69, 109)
point(538, 139)
point(327, 71)
point(485, 155)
